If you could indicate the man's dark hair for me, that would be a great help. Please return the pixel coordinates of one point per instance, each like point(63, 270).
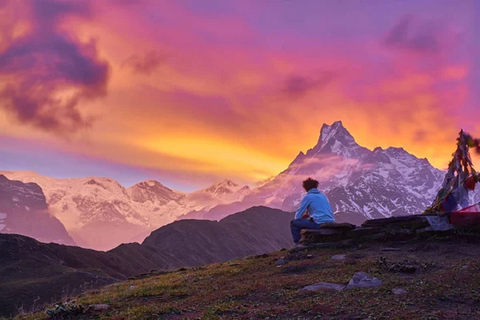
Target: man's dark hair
point(310, 184)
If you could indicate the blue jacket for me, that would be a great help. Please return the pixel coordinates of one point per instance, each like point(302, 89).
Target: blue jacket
point(318, 207)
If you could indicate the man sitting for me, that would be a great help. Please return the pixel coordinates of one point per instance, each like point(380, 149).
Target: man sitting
point(314, 210)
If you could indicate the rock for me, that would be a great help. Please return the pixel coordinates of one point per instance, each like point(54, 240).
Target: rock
point(363, 231)
point(309, 256)
point(324, 286)
point(338, 257)
point(99, 307)
point(399, 291)
point(280, 262)
point(339, 226)
point(363, 280)
point(390, 249)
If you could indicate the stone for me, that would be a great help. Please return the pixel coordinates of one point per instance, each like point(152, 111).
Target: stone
point(390, 249)
point(399, 291)
point(362, 232)
point(280, 262)
point(363, 280)
point(324, 286)
point(99, 307)
point(339, 257)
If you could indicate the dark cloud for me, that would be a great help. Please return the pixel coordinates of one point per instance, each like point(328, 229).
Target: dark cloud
point(297, 85)
point(145, 64)
point(45, 64)
point(407, 34)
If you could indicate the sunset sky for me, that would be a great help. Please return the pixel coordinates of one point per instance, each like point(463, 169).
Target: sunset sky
point(189, 92)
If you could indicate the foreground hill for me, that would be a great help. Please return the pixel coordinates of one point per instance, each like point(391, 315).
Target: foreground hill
point(434, 278)
point(34, 271)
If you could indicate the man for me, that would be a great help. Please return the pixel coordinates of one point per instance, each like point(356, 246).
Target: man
point(314, 210)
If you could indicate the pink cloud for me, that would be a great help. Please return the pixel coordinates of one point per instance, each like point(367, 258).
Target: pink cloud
point(44, 62)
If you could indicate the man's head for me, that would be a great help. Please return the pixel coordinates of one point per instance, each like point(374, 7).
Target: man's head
point(310, 184)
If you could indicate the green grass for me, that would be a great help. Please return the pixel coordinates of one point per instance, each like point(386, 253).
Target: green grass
point(445, 285)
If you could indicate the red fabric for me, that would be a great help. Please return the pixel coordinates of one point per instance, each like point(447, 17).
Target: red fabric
point(474, 208)
point(466, 217)
point(470, 183)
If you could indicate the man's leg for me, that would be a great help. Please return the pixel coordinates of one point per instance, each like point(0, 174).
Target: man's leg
point(297, 225)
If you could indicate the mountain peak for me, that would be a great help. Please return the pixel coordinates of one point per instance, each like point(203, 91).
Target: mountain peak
point(335, 139)
point(225, 187)
point(336, 130)
point(149, 184)
point(227, 182)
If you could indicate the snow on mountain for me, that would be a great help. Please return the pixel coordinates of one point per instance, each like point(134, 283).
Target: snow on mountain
point(153, 192)
point(23, 210)
point(100, 213)
point(222, 192)
point(359, 182)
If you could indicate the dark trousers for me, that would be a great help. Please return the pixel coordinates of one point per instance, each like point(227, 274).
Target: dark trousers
point(298, 224)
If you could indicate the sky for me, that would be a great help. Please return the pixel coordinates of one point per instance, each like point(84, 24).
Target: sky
point(190, 92)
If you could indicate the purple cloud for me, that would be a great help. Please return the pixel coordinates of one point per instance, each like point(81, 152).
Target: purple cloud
point(297, 85)
point(47, 62)
point(409, 35)
point(145, 64)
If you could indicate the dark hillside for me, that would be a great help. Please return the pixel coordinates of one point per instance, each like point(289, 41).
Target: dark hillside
point(34, 271)
point(195, 242)
point(427, 278)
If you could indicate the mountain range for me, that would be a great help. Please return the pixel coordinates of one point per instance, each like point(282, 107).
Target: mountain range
point(361, 184)
point(99, 213)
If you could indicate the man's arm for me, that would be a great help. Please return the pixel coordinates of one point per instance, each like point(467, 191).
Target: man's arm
point(302, 208)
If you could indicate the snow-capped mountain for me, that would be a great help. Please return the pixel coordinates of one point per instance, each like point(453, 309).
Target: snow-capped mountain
point(360, 183)
point(23, 210)
point(100, 213)
point(378, 183)
point(222, 192)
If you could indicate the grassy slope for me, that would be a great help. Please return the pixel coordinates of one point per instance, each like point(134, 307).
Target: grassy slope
point(445, 285)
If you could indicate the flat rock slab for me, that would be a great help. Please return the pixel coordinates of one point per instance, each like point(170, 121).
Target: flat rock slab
point(390, 249)
point(98, 307)
point(398, 291)
point(280, 262)
point(339, 257)
point(324, 286)
point(363, 280)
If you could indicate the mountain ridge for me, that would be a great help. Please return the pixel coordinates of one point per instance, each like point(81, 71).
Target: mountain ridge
point(100, 213)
